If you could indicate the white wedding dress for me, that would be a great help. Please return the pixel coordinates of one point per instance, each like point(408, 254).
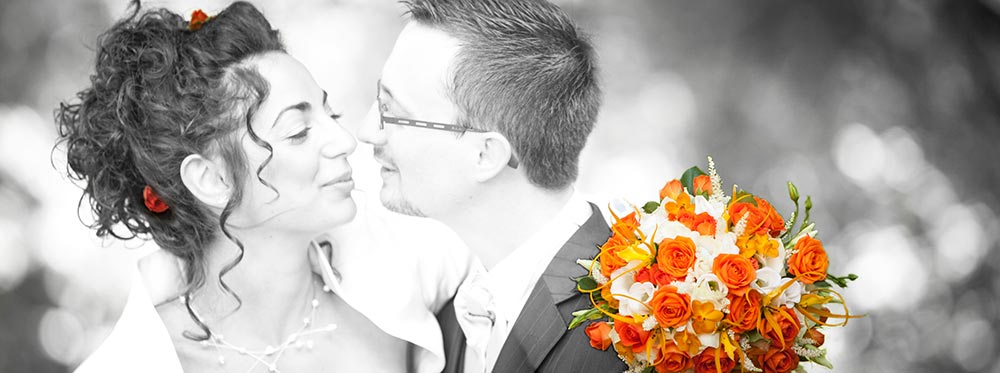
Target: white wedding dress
point(429, 262)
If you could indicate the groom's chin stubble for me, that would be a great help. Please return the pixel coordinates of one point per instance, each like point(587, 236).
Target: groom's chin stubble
point(398, 204)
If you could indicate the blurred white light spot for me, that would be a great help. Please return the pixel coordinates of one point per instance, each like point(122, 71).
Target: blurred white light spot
point(974, 344)
point(667, 101)
point(890, 273)
point(57, 333)
point(905, 159)
point(15, 262)
point(629, 176)
point(959, 242)
point(860, 154)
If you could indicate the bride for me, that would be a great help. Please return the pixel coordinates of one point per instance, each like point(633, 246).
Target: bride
point(208, 137)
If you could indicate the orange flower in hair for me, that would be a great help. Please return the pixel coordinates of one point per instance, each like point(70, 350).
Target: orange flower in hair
point(197, 19)
point(152, 200)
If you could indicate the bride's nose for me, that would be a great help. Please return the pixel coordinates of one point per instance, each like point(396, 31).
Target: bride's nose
point(340, 143)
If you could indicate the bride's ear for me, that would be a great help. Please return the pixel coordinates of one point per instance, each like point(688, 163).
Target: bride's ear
point(206, 180)
point(495, 155)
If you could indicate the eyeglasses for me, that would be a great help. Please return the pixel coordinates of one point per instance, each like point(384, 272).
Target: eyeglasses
point(414, 122)
point(383, 119)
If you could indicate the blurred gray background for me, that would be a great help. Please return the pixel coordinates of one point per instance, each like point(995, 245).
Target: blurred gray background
point(886, 112)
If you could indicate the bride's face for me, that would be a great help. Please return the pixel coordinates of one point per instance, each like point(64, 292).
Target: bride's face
point(307, 164)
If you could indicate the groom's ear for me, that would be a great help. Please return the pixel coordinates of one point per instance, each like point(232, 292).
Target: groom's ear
point(206, 180)
point(494, 155)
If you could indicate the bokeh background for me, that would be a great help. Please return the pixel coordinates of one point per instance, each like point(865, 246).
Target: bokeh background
point(886, 112)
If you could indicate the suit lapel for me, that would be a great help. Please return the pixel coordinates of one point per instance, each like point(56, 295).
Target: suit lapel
point(454, 339)
point(540, 325)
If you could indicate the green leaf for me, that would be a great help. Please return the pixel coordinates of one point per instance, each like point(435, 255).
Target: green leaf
point(841, 280)
point(743, 196)
point(822, 284)
point(650, 206)
point(821, 360)
point(581, 316)
point(687, 179)
point(649, 370)
point(586, 283)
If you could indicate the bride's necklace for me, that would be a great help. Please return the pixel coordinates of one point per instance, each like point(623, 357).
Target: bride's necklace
point(269, 355)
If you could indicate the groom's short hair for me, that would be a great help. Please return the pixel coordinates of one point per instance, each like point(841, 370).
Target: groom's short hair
point(525, 71)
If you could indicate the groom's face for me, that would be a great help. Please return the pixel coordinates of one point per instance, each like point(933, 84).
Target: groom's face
point(424, 170)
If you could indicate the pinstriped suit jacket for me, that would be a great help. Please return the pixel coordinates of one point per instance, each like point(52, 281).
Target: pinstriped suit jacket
point(539, 340)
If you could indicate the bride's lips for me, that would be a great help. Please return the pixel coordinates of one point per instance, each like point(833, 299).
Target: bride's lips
point(344, 183)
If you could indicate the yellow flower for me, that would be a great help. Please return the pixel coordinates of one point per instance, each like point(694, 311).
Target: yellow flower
point(757, 244)
point(705, 318)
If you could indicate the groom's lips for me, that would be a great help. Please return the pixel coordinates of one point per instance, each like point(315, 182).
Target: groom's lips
point(387, 166)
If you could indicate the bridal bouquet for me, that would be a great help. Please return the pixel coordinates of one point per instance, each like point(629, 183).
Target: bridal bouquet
point(704, 282)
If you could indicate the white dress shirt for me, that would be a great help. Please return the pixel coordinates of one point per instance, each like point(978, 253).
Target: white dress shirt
point(510, 282)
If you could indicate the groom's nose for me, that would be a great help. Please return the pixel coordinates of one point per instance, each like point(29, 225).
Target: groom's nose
point(370, 131)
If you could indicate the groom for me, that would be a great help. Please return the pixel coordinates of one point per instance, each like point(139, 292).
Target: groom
point(483, 108)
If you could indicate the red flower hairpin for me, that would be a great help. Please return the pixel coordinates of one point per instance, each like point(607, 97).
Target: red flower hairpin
point(153, 201)
point(197, 19)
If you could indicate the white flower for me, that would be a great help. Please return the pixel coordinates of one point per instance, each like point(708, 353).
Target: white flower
point(657, 222)
point(713, 247)
point(649, 323)
point(710, 290)
point(624, 283)
point(712, 207)
point(791, 296)
point(709, 340)
point(767, 279)
point(639, 293)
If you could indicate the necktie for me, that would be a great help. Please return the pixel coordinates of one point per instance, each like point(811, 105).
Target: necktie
point(475, 309)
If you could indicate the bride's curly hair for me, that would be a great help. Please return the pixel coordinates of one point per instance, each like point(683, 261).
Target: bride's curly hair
point(160, 92)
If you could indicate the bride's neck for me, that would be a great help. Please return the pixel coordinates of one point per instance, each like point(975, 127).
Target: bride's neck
point(273, 281)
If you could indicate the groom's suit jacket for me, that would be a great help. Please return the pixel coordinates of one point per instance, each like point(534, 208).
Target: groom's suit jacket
point(539, 340)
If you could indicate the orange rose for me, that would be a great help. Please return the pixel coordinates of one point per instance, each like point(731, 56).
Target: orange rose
point(787, 327)
point(775, 223)
point(702, 184)
point(673, 360)
point(777, 360)
point(705, 362)
point(670, 308)
point(809, 263)
point(744, 311)
point(672, 189)
point(610, 261)
point(599, 333)
point(762, 218)
point(735, 271)
point(653, 275)
point(631, 336)
point(676, 256)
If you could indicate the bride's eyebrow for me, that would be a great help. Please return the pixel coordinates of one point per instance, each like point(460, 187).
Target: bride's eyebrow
point(302, 106)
